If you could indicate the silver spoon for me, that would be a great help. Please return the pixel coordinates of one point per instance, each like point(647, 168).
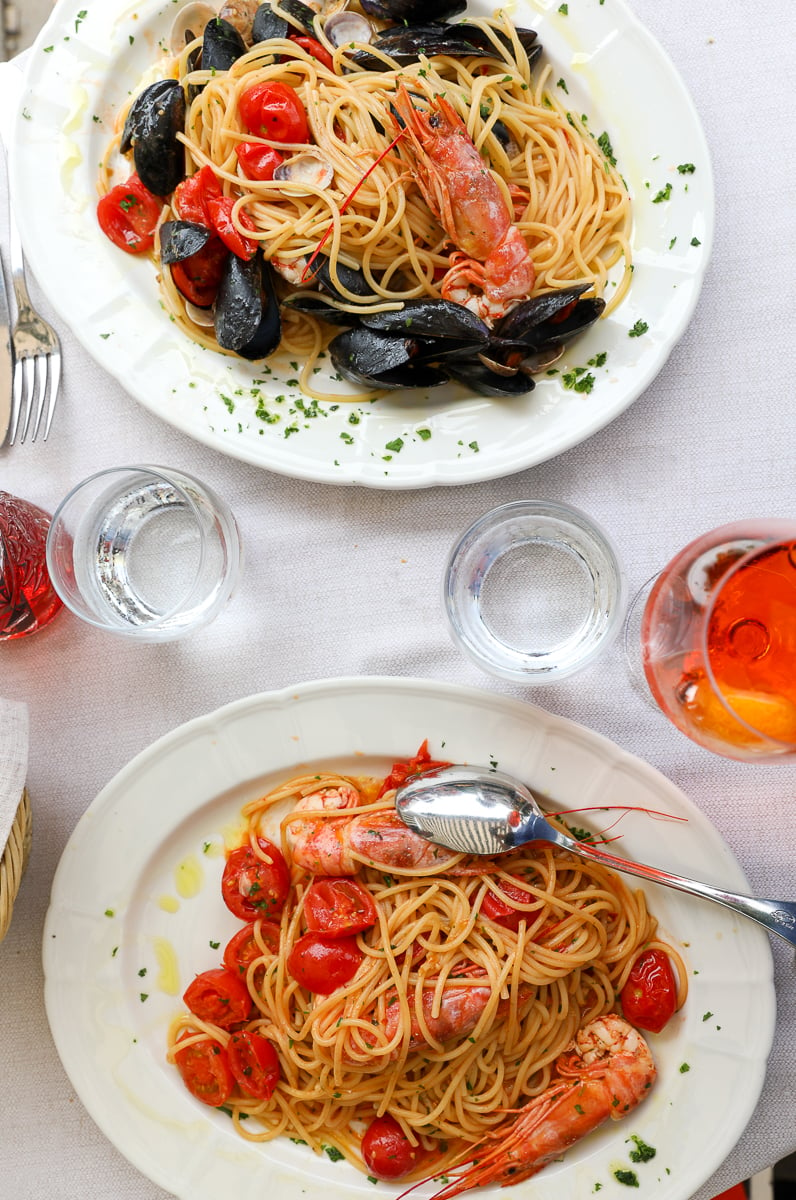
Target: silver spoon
point(478, 811)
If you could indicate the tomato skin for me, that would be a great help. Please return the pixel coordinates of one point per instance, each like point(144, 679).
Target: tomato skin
point(274, 111)
point(205, 1070)
point(198, 276)
point(387, 1151)
point(258, 161)
point(649, 997)
point(242, 948)
point(252, 888)
point(190, 197)
point(128, 214)
point(314, 47)
point(497, 910)
point(321, 964)
point(401, 771)
point(338, 907)
point(254, 1062)
point(218, 997)
point(220, 210)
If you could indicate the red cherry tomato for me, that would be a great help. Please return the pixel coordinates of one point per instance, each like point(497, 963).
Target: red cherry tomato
point(314, 48)
point(254, 1062)
point(401, 771)
point(338, 907)
point(494, 907)
point(198, 277)
point(128, 215)
point(218, 997)
point(220, 210)
point(321, 964)
point(386, 1149)
point(242, 949)
point(205, 1070)
point(649, 998)
point(253, 888)
point(258, 161)
point(274, 111)
point(190, 197)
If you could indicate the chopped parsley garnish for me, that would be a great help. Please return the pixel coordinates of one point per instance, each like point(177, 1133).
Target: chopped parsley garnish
point(706, 1016)
point(643, 1152)
point(638, 329)
point(563, 85)
point(686, 168)
point(599, 360)
point(695, 241)
point(629, 1178)
point(564, 10)
point(604, 142)
point(663, 194)
point(684, 1067)
point(334, 1154)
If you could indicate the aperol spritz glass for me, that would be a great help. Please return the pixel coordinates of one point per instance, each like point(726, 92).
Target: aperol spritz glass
point(718, 640)
point(28, 600)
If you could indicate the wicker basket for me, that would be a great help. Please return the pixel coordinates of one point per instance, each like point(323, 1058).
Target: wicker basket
point(14, 861)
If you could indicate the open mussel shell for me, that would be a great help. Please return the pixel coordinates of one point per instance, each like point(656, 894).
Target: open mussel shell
point(438, 319)
point(181, 239)
point(351, 278)
point(156, 117)
point(413, 10)
point(247, 310)
point(268, 25)
point(378, 360)
point(222, 45)
point(482, 380)
point(323, 310)
point(301, 15)
point(406, 43)
point(535, 326)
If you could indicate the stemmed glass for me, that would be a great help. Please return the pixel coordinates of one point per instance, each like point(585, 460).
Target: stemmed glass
point(716, 633)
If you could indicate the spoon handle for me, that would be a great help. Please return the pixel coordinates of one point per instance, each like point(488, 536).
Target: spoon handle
point(777, 916)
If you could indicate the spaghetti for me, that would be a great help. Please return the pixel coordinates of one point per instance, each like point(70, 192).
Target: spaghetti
point(472, 979)
point(559, 183)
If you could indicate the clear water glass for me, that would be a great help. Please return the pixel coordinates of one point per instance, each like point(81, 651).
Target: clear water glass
point(534, 591)
point(144, 551)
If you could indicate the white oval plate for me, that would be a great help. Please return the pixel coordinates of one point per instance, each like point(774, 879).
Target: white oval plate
point(178, 798)
point(82, 67)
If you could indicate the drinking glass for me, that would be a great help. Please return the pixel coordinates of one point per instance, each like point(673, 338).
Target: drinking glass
point(144, 551)
point(28, 600)
point(718, 640)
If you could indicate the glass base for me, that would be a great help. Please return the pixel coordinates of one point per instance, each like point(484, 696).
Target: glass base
point(632, 643)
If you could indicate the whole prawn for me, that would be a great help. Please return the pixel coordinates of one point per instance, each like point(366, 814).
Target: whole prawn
point(606, 1072)
point(470, 206)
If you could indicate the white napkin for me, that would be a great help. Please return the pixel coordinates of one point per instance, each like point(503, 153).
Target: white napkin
point(13, 762)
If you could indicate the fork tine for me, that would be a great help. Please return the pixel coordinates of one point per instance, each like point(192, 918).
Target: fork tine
point(16, 403)
point(42, 373)
point(50, 374)
point(29, 365)
point(55, 383)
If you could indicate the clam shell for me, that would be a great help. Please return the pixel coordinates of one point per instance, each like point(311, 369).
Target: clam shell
point(305, 168)
point(344, 27)
point(189, 24)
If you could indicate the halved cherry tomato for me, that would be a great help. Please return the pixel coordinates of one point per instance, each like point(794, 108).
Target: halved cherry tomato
point(274, 111)
point(254, 1062)
point(494, 907)
point(338, 907)
point(198, 276)
point(258, 161)
point(190, 197)
point(314, 48)
point(401, 771)
point(220, 210)
point(242, 948)
point(649, 998)
point(128, 215)
point(205, 1070)
point(253, 888)
point(321, 964)
point(218, 997)
point(386, 1149)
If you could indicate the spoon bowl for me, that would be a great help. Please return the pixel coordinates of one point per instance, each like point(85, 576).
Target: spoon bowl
point(475, 810)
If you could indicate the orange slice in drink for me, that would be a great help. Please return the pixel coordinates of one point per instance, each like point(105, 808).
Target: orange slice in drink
point(772, 715)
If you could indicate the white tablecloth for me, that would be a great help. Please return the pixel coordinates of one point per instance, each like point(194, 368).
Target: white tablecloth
point(347, 581)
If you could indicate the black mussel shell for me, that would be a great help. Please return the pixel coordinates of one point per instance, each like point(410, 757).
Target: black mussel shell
point(480, 379)
point(536, 310)
point(376, 360)
point(436, 319)
point(413, 10)
point(350, 277)
point(181, 239)
point(314, 307)
point(538, 334)
point(406, 43)
point(247, 310)
point(222, 45)
point(301, 14)
point(268, 25)
point(155, 118)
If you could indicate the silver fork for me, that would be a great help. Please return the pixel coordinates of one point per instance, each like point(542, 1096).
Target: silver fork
point(37, 355)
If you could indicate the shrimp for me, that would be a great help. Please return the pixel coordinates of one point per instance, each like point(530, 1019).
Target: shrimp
point(460, 1010)
point(339, 844)
point(466, 200)
point(604, 1074)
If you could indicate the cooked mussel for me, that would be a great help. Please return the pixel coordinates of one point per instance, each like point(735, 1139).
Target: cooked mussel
point(484, 381)
point(180, 239)
point(379, 360)
point(300, 14)
point(449, 326)
point(268, 25)
point(222, 45)
point(351, 278)
point(323, 310)
point(247, 310)
point(551, 319)
point(413, 10)
point(406, 43)
point(156, 117)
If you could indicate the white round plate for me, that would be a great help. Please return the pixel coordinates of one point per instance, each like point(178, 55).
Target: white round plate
point(83, 66)
point(164, 818)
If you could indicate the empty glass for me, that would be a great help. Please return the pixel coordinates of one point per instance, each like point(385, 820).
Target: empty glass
point(144, 551)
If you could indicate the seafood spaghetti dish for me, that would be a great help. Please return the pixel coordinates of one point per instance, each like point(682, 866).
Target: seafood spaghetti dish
point(423, 1014)
point(414, 199)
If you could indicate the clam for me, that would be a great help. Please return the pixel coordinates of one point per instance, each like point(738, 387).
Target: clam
point(200, 316)
point(344, 27)
point(189, 24)
point(310, 169)
point(240, 15)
